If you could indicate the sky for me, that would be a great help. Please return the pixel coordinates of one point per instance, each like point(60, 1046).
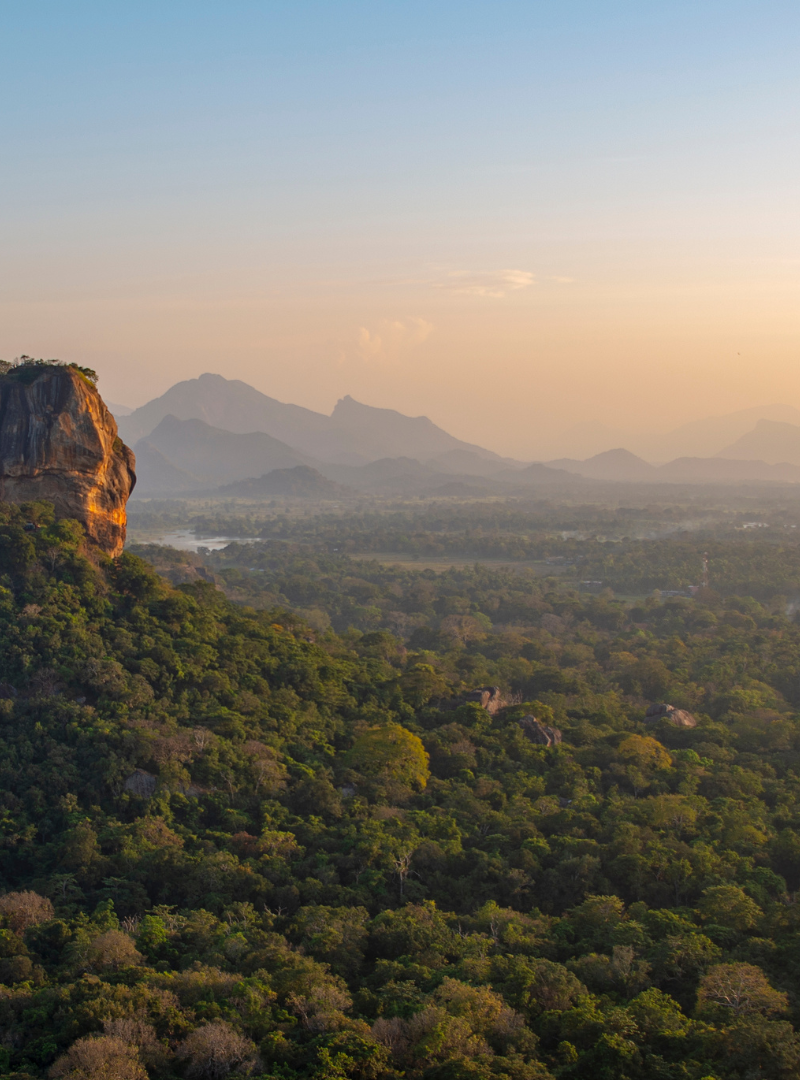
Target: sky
point(543, 224)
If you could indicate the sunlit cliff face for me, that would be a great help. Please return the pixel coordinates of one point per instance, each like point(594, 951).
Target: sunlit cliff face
point(59, 443)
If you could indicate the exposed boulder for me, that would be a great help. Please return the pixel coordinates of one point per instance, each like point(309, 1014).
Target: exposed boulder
point(676, 717)
point(490, 698)
point(59, 444)
point(540, 733)
point(141, 783)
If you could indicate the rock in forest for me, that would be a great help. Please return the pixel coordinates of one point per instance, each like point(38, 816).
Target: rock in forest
point(141, 783)
point(490, 698)
point(540, 733)
point(676, 717)
point(59, 444)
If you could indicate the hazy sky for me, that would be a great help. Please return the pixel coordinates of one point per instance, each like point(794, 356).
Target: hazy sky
point(515, 217)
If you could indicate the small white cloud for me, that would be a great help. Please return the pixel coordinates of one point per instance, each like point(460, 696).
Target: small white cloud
point(370, 345)
point(496, 284)
point(417, 330)
point(518, 279)
point(392, 336)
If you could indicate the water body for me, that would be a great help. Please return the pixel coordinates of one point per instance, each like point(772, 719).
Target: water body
point(185, 540)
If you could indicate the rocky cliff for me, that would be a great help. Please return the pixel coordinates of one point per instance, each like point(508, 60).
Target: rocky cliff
point(59, 443)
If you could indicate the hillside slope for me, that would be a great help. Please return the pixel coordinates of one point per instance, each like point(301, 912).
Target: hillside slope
point(211, 455)
point(300, 482)
point(769, 441)
point(610, 465)
point(704, 437)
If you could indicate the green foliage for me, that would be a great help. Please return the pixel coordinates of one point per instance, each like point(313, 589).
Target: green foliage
point(390, 754)
point(26, 370)
point(231, 843)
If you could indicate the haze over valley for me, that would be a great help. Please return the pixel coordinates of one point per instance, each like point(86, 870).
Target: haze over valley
point(213, 431)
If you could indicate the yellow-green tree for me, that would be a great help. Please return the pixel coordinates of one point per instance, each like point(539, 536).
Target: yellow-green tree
point(390, 753)
point(739, 989)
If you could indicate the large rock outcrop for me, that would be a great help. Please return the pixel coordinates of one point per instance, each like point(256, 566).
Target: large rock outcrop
point(664, 711)
point(59, 443)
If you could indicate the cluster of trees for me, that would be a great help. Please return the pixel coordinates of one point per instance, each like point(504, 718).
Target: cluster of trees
point(26, 368)
point(332, 588)
point(524, 529)
point(492, 529)
point(235, 843)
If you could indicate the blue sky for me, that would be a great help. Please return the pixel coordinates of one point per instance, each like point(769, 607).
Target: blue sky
point(409, 202)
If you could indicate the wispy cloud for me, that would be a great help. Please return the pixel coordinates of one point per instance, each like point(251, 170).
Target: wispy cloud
point(391, 336)
point(491, 283)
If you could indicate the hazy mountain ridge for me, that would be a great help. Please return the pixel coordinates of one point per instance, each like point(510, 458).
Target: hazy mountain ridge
point(408, 476)
point(354, 434)
point(301, 481)
point(703, 438)
point(156, 474)
point(182, 457)
point(617, 464)
point(225, 403)
point(212, 431)
point(213, 455)
point(620, 466)
point(773, 441)
point(657, 442)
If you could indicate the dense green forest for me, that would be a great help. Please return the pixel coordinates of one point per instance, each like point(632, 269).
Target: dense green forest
point(269, 838)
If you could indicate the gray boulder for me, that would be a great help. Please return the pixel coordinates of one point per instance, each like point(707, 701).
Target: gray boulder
point(540, 733)
point(676, 717)
point(490, 698)
point(141, 783)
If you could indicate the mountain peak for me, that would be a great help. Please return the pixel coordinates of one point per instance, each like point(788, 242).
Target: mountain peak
point(354, 434)
point(773, 441)
point(620, 454)
point(618, 464)
point(348, 406)
point(777, 425)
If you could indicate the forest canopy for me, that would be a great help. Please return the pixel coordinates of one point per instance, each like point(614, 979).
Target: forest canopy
point(276, 838)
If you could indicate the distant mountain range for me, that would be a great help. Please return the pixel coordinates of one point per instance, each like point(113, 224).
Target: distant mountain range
point(610, 465)
point(770, 440)
point(623, 466)
point(656, 441)
point(216, 435)
point(354, 434)
point(703, 438)
point(212, 455)
point(299, 482)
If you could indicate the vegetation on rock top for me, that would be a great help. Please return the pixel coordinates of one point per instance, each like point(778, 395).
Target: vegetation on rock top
point(26, 369)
